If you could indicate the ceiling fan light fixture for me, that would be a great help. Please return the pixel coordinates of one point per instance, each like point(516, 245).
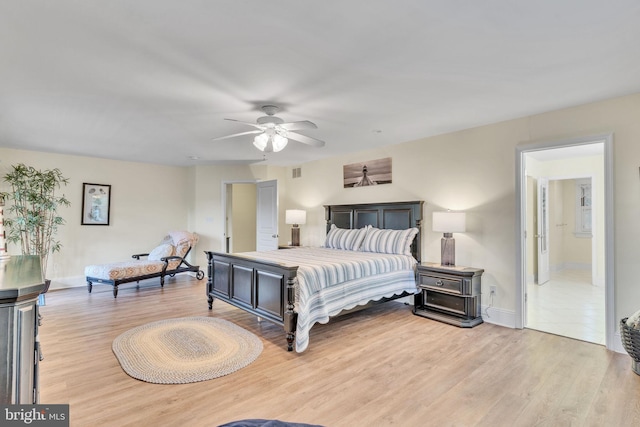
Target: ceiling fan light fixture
point(273, 133)
point(261, 141)
point(279, 142)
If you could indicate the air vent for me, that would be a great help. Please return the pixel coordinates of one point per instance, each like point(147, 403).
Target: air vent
point(296, 172)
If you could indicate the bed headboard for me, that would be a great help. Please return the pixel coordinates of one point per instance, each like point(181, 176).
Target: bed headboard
point(393, 215)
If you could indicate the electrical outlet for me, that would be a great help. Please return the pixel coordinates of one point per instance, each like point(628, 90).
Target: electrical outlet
point(492, 290)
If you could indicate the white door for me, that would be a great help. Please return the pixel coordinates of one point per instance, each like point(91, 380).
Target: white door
point(267, 216)
point(543, 230)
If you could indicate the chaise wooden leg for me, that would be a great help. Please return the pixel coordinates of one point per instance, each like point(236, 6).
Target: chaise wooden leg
point(89, 286)
point(115, 291)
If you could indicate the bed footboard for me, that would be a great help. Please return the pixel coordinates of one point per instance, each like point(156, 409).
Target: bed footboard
point(262, 288)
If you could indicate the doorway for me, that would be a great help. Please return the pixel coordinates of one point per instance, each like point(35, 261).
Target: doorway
point(564, 294)
point(580, 281)
point(251, 216)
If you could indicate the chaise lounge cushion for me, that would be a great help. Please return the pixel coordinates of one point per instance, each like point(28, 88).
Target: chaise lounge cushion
point(124, 269)
point(175, 243)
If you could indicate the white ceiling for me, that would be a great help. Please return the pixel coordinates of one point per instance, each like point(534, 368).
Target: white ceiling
point(153, 80)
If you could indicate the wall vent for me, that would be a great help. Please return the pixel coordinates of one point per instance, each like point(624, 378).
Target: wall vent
point(296, 172)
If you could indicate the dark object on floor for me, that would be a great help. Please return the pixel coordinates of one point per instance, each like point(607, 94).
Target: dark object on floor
point(266, 423)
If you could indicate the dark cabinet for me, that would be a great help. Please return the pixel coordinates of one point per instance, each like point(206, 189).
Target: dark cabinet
point(20, 284)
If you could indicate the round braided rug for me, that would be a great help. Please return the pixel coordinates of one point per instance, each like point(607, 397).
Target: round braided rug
point(185, 350)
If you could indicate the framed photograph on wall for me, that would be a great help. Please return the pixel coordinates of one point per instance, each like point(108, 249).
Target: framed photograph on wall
point(96, 204)
point(373, 172)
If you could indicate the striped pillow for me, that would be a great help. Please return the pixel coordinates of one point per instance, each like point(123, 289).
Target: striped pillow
point(342, 238)
point(389, 241)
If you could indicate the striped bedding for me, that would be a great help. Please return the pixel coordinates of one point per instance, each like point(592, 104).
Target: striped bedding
point(332, 280)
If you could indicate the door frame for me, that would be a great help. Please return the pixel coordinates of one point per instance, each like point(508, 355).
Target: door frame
point(225, 207)
point(609, 276)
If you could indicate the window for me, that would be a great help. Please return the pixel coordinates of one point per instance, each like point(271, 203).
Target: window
point(583, 208)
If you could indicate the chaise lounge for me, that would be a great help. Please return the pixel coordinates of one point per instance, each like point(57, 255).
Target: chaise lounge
point(167, 259)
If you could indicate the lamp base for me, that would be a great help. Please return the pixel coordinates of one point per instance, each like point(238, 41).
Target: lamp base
point(447, 250)
point(295, 235)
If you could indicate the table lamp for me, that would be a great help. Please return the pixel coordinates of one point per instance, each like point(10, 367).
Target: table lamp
point(448, 223)
point(295, 217)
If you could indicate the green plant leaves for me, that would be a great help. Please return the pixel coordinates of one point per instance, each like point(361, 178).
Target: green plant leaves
point(34, 219)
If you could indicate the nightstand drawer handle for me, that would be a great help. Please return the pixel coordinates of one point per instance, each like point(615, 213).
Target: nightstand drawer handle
point(439, 283)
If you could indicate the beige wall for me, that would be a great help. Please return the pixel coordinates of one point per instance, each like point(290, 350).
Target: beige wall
point(577, 250)
point(567, 250)
point(472, 170)
point(243, 218)
point(147, 201)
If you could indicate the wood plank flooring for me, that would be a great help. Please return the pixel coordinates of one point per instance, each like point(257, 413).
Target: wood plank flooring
point(381, 366)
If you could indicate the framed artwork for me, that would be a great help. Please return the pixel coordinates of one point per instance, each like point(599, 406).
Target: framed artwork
point(373, 172)
point(96, 204)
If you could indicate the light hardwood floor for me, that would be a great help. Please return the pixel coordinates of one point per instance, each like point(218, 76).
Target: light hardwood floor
point(381, 366)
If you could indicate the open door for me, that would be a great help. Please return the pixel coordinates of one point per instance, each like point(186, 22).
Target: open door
point(543, 231)
point(267, 216)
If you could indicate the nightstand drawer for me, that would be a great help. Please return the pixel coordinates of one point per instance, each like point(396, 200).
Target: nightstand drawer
point(441, 283)
point(453, 304)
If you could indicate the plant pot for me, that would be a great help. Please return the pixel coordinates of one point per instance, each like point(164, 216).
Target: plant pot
point(631, 342)
point(41, 299)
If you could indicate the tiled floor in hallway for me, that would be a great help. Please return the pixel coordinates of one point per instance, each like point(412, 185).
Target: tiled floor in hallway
point(568, 305)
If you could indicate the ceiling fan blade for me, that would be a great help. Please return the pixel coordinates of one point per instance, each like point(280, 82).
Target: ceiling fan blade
point(255, 125)
point(251, 132)
point(304, 124)
point(305, 139)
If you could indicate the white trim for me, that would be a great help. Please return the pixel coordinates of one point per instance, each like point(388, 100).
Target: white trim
point(499, 316)
point(521, 150)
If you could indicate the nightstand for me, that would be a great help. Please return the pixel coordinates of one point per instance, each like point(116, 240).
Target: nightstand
point(450, 294)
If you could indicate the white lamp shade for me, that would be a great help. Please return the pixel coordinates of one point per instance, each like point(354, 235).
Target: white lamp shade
point(295, 216)
point(279, 142)
point(449, 222)
point(260, 141)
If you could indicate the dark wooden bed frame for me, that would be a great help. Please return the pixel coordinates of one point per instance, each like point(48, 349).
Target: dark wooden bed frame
point(267, 289)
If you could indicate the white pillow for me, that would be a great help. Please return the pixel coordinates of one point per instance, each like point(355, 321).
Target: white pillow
point(389, 241)
point(160, 251)
point(342, 238)
point(634, 320)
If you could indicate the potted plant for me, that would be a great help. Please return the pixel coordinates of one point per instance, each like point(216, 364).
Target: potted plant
point(33, 216)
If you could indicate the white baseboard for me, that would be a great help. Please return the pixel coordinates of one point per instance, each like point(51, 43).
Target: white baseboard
point(570, 266)
point(617, 344)
point(68, 282)
point(499, 316)
point(506, 318)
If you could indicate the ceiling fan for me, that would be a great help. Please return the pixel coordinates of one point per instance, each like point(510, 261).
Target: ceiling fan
point(273, 133)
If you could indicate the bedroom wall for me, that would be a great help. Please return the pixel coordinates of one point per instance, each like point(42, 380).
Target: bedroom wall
point(471, 170)
point(147, 201)
point(208, 215)
point(474, 170)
